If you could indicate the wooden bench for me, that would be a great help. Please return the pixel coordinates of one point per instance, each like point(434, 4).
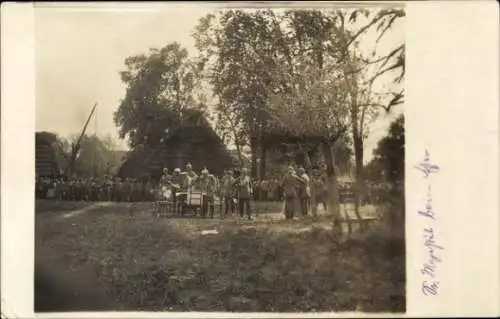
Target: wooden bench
point(347, 198)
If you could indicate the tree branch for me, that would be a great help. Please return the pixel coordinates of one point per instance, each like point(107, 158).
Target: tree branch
point(381, 15)
point(396, 100)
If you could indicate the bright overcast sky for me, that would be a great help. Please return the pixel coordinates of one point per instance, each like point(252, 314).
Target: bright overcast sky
point(80, 52)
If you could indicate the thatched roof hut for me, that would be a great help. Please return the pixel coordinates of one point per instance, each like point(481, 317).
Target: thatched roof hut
point(196, 144)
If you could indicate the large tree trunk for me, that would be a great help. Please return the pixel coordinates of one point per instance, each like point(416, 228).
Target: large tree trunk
point(358, 154)
point(240, 155)
point(263, 160)
point(238, 143)
point(308, 167)
point(333, 204)
point(254, 150)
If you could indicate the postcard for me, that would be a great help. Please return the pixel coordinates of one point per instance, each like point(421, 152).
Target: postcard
point(250, 159)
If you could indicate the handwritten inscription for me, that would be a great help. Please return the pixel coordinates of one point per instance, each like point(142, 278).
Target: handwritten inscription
point(426, 166)
point(430, 284)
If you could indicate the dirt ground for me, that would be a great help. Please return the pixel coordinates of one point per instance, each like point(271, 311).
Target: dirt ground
point(141, 262)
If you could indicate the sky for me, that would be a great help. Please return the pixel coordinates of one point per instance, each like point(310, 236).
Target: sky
point(80, 50)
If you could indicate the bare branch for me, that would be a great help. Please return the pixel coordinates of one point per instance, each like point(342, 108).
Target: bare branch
point(381, 15)
point(396, 100)
point(392, 67)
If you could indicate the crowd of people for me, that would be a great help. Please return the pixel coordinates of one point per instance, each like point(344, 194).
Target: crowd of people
point(234, 191)
point(105, 189)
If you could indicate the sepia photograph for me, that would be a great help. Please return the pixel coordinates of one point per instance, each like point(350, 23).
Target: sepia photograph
point(215, 158)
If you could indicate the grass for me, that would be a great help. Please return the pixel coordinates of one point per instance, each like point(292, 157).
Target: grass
point(144, 263)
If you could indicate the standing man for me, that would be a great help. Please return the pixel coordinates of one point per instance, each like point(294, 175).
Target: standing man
point(256, 186)
point(208, 186)
point(290, 182)
point(175, 185)
point(127, 189)
point(264, 186)
point(227, 192)
point(109, 188)
point(60, 189)
point(190, 178)
point(119, 190)
point(191, 173)
point(163, 185)
point(304, 191)
point(244, 188)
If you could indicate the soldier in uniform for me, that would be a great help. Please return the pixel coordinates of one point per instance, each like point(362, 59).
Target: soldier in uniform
point(108, 188)
point(304, 191)
point(71, 190)
point(290, 182)
point(163, 183)
point(256, 188)
point(112, 189)
point(175, 186)
point(118, 190)
point(245, 192)
point(88, 189)
point(208, 186)
point(190, 172)
point(77, 189)
point(133, 190)
point(94, 190)
point(190, 178)
point(139, 190)
point(80, 194)
point(164, 177)
point(227, 192)
point(85, 189)
point(264, 185)
point(58, 189)
point(127, 189)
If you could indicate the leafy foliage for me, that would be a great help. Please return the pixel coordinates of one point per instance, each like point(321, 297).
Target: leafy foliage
point(161, 88)
point(95, 158)
point(390, 153)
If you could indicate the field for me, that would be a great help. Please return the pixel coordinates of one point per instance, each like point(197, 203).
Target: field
point(139, 262)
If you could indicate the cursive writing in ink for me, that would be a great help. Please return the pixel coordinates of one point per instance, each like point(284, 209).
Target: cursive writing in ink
point(430, 284)
point(430, 288)
point(426, 166)
point(427, 212)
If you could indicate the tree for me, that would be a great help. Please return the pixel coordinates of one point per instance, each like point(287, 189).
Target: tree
point(373, 172)
point(161, 88)
point(362, 109)
point(95, 158)
point(382, 20)
point(359, 77)
point(237, 48)
point(390, 152)
point(314, 111)
point(389, 156)
point(292, 82)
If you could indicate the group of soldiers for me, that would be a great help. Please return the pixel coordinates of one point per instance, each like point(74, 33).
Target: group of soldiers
point(107, 189)
point(229, 190)
point(235, 190)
